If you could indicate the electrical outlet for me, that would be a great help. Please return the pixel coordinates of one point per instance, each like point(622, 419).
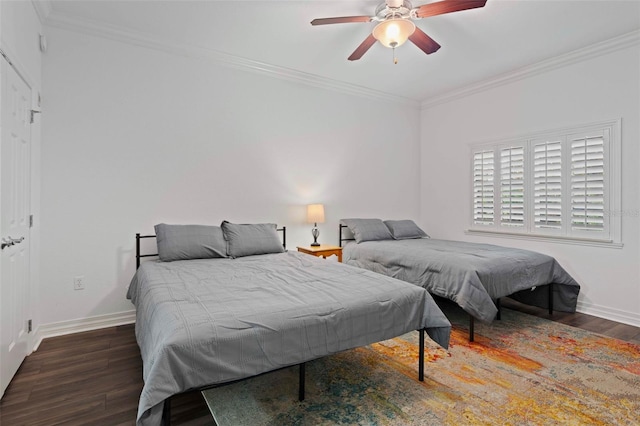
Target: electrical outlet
point(78, 282)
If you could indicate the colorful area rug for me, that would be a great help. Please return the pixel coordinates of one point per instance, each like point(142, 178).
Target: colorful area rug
point(521, 370)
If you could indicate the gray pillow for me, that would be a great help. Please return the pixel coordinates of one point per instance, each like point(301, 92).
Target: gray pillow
point(368, 229)
point(405, 229)
point(184, 242)
point(251, 239)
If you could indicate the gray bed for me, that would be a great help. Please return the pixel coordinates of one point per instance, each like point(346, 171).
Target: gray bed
point(212, 321)
point(472, 275)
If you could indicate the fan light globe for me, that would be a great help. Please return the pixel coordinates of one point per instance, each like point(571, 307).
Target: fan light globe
point(393, 32)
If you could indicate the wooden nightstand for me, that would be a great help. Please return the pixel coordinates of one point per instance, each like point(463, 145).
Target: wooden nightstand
point(322, 251)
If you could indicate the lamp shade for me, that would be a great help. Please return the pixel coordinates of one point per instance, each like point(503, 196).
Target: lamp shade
point(315, 213)
point(393, 32)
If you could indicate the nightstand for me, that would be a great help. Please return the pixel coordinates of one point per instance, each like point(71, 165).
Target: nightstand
point(322, 251)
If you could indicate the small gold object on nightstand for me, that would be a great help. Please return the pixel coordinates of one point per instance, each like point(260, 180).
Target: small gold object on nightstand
point(322, 251)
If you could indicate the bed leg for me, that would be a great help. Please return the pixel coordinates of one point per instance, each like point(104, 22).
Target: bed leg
point(471, 327)
point(137, 251)
point(550, 285)
point(421, 357)
point(166, 412)
point(301, 383)
point(498, 316)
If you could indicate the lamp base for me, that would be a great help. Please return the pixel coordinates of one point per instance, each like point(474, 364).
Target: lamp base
point(315, 232)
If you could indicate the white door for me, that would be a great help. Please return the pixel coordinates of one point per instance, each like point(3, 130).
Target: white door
point(15, 155)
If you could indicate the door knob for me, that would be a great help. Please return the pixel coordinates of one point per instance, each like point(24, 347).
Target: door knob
point(8, 242)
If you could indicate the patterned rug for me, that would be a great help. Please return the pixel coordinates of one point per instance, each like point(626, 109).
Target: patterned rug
point(521, 370)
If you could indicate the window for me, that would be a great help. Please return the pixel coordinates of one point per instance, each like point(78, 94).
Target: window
point(562, 184)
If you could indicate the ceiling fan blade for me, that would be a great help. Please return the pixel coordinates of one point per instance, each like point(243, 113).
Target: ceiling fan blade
point(362, 49)
point(340, 20)
point(423, 41)
point(447, 6)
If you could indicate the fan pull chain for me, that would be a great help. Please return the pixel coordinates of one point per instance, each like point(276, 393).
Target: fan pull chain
point(393, 47)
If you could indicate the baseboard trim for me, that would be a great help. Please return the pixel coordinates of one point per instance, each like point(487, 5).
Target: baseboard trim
point(82, 324)
point(630, 318)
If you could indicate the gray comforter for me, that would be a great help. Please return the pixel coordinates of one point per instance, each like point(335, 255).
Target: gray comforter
point(201, 322)
point(470, 274)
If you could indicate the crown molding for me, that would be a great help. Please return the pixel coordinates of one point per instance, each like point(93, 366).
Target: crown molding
point(98, 29)
point(593, 51)
point(43, 9)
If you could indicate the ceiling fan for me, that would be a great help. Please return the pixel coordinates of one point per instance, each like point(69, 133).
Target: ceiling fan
point(395, 23)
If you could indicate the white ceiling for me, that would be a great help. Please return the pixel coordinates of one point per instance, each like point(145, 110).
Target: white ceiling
point(479, 44)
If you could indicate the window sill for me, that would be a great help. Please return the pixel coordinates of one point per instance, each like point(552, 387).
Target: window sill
point(549, 238)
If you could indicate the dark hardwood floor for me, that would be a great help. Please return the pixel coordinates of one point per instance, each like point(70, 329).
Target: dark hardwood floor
point(91, 378)
point(598, 325)
point(95, 378)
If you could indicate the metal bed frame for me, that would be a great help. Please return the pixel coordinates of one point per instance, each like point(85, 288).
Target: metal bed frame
point(342, 239)
point(166, 412)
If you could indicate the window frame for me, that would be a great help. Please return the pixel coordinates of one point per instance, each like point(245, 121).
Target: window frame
point(610, 236)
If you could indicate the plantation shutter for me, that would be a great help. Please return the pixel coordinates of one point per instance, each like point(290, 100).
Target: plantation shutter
point(483, 169)
point(563, 184)
point(547, 185)
point(587, 183)
point(512, 186)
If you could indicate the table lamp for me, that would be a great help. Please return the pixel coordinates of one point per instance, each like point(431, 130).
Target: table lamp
point(315, 215)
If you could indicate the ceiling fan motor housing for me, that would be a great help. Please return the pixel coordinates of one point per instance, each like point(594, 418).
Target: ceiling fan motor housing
point(394, 9)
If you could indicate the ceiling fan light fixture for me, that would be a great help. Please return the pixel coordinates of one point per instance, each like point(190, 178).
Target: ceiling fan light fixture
point(393, 32)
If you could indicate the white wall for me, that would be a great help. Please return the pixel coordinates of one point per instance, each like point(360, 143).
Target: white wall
point(596, 89)
point(20, 29)
point(134, 137)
